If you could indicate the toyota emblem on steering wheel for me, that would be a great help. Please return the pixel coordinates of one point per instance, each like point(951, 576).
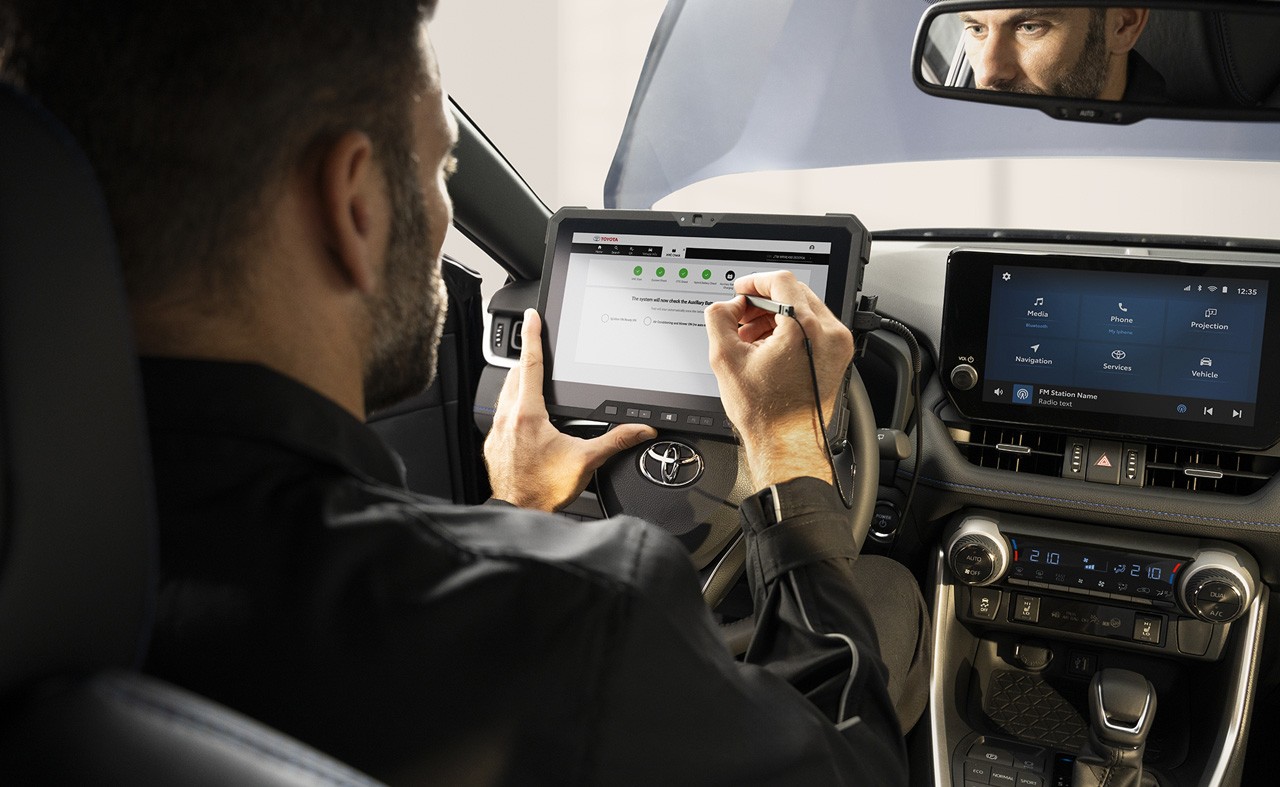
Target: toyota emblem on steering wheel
point(671, 464)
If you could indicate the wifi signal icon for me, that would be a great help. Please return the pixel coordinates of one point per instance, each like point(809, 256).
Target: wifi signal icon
point(1213, 288)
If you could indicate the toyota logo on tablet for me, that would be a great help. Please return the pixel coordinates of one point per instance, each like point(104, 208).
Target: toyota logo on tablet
point(672, 464)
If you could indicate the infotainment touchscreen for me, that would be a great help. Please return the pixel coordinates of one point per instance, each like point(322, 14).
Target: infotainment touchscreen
point(1117, 345)
point(623, 294)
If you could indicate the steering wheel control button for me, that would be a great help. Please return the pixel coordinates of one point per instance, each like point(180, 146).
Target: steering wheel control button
point(1105, 459)
point(1147, 628)
point(964, 377)
point(1026, 609)
point(984, 603)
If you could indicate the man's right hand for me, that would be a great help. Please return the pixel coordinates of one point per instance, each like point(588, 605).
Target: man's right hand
point(760, 362)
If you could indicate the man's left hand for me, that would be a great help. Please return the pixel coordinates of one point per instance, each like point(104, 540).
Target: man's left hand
point(531, 463)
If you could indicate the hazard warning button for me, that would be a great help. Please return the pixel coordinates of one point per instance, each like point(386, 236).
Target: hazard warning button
point(1105, 460)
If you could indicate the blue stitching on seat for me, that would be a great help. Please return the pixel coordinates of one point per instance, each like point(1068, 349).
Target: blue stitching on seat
point(1087, 504)
point(241, 733)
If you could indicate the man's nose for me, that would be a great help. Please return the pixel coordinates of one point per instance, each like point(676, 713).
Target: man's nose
point(997, 63)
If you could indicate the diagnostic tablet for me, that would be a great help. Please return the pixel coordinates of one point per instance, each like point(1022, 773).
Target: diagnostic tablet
point(623, 294)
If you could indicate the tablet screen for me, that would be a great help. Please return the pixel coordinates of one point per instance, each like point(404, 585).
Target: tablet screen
point(623, 295)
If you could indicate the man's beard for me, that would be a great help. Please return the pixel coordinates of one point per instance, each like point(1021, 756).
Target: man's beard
point(1087, 77)
point(408, 313)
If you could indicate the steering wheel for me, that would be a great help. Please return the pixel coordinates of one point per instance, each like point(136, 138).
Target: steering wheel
point(692, 486)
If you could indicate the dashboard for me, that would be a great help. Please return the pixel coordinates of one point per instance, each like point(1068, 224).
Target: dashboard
point(1094, 491)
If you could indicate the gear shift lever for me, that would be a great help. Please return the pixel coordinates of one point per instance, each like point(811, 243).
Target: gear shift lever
point(1122, 705)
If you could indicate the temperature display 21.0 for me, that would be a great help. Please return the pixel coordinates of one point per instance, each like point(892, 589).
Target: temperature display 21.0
point(1100, 571)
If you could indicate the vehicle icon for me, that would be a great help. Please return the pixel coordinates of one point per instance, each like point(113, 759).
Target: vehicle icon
point(1206, 361)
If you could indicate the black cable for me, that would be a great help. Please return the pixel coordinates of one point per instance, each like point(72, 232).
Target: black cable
point(822, 421)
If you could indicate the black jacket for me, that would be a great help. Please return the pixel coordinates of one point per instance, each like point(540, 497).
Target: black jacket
point(440, 644)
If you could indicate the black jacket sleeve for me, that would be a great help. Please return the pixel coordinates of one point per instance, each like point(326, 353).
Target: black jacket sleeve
point(808, 706)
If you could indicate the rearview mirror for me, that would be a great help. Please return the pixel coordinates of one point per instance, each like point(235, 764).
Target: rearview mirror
point(1081, 60)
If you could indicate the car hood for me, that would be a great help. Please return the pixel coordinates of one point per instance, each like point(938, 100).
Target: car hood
point(731, 87)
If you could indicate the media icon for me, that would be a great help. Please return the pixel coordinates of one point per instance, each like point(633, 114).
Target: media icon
point(1022, 394)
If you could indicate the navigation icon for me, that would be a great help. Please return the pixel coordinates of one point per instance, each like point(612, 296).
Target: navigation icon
point(1035, 348)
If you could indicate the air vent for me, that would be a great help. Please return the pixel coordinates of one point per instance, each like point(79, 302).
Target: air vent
point(1019, 450)
point(1207, 470)
point(1167, 466)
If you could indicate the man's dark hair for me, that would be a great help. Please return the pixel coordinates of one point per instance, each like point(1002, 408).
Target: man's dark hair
point(191, 111)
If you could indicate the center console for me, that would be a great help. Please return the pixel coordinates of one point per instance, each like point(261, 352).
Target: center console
point(1029, 611)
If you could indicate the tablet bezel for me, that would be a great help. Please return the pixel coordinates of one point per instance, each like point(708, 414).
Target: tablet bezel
point(850, 245)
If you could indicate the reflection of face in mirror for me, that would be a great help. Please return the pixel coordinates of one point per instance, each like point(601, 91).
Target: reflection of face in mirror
point(1068, 52)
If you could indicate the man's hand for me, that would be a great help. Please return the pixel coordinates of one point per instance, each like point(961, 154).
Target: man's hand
point(760, 362)
point(531, 463)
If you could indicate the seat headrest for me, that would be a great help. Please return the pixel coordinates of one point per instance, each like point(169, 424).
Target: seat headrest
point(76, 508)
point(1214, 58)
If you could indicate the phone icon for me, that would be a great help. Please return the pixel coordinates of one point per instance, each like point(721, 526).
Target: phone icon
point(1121, 307)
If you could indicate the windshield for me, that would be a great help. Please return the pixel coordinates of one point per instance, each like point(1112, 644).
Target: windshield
point(807, 106)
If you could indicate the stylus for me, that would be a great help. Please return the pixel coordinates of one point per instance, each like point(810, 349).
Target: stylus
point(772, 306)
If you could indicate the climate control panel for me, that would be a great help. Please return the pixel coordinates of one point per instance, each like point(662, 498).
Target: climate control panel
point(1135, 590)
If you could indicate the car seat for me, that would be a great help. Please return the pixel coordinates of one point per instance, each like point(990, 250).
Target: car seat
point(1215, 58)
point(76, 511)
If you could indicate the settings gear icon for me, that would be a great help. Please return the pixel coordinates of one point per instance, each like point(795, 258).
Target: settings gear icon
point(1007, 276)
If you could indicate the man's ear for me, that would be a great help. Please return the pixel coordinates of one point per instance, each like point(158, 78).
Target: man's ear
point(353, 207)
point(1124, 25)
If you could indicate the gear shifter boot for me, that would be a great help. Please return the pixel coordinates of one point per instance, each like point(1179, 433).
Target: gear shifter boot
point(1122, 705)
